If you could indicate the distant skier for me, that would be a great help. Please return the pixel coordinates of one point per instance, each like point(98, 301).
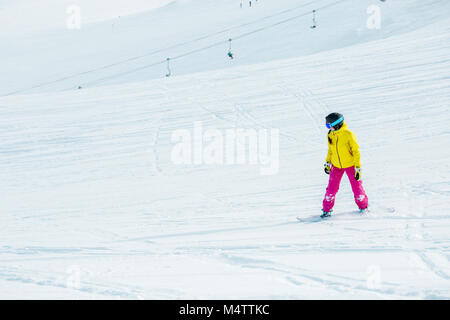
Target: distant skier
point(343, 156)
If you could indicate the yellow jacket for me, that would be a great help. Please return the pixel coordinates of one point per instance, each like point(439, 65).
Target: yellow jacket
point(343, 149)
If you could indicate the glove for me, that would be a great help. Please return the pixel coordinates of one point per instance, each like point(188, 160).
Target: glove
point(357, 173)
point(327, 167)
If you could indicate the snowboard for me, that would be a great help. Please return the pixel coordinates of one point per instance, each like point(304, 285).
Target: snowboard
point(340, 216)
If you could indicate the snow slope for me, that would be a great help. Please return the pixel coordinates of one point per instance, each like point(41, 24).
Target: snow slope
point(24, 17)
point(93, 207)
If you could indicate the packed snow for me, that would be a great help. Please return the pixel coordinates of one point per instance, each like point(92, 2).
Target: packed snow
point(94, 205)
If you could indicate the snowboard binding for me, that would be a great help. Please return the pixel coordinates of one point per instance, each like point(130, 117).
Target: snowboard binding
point(326, 214)
point(363, 211)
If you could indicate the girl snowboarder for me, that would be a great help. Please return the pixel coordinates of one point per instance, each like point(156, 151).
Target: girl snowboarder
point(343, 156)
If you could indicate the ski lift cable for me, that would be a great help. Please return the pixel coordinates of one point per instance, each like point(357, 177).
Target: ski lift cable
point(125, 72)
point(217, 43)
point(159, 50)
point(153, 64)
point(257, 30)
point(287, 20)
point(201, 49)
point(180, 44)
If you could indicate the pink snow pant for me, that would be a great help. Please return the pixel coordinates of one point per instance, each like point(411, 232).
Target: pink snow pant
point(333, 187)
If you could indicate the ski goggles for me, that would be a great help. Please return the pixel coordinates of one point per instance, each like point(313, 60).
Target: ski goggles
point(330, 125)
